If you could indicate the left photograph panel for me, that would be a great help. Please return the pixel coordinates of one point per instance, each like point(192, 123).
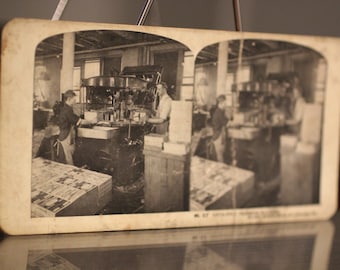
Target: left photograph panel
point(106, 106)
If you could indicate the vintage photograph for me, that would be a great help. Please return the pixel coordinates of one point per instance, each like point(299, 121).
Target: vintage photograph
point(258, 111)
point(123, 127)
point(103, 101)
point(108, 133)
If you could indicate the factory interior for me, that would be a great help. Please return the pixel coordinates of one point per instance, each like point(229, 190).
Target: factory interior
point(146, 139)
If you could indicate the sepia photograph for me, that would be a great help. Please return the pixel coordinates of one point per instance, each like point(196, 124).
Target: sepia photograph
point(257, 124)
point(103, 101)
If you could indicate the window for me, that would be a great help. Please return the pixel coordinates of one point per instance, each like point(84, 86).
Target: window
point(76, 78)
point(229, 82)
point(92, 68)
point(244, 74)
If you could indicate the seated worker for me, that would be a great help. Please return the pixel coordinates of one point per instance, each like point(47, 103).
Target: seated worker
point(68, 120)
point(219, 122)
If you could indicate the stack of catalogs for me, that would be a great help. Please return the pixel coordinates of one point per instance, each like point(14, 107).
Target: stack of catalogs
point(94, 116)
point(244, 133)
point(179, 128)
point(180, 121)
point(64, 190)
point(176, 148)
point(288, 143)
point(98, 132)
point(215, 185)
point(311, 124)
point(299, 172)
point(300, 160)
point(154, 141)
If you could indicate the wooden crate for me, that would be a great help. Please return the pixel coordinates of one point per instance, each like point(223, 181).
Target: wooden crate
point(166, 182)
point(300, 174)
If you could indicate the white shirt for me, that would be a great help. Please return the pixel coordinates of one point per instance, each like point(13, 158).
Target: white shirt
point(164, 107)
point(299, 109)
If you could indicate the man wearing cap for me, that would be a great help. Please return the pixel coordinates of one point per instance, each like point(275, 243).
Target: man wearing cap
point(67, 121)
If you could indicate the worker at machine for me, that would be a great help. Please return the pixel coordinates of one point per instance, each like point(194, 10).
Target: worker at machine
point(164, 106)
point(163, 110)
point(219, 122)
point(68, 120)
point(297, 110)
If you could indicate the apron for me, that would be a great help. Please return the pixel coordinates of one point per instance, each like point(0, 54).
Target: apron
point(68, 146)
point(219, 144)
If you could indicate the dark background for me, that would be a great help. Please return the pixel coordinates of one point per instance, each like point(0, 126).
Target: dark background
point(305, 17)
point(311, 17)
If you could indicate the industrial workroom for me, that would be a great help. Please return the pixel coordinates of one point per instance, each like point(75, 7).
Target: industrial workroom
point(122, 87)
point(258, 108)
point(243, 129)
point(306, 245)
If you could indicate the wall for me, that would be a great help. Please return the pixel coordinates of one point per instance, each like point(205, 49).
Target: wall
point(47, 81)
point(206, 84)
point(130, 57)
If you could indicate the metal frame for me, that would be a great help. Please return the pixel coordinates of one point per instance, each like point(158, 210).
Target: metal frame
point(236, 7)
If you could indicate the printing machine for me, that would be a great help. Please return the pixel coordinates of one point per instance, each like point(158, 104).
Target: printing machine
point(121, 106)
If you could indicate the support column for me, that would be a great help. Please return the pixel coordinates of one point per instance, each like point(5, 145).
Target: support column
point(222, 68)
point(187, 88)
point(179, 77)
point(66, 74)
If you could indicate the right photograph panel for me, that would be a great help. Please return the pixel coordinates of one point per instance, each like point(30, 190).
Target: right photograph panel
point(257, 125)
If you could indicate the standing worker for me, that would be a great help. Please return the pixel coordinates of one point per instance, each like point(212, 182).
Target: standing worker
point(219, 122)
point(164, 106)
point(68, 120)
point(163, 109)
point(297, 110)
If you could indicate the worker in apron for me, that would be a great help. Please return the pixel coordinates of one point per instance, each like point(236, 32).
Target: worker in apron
point(68, 120)
point(164, 108)
point(219, 122)
point(297, 108)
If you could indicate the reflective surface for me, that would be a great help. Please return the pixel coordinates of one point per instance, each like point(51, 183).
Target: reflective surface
point(274, 246)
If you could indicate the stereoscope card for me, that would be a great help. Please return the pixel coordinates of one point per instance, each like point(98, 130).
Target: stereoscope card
point(119, 127)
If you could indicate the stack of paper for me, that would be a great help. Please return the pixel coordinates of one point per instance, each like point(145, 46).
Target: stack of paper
point(215, 185)
point(288, 143)
point(176, 148)
point(299, 171)
point(65, 190)
point(94, 116)
point(311, 123)
point(154, 140)
point(180, 122)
